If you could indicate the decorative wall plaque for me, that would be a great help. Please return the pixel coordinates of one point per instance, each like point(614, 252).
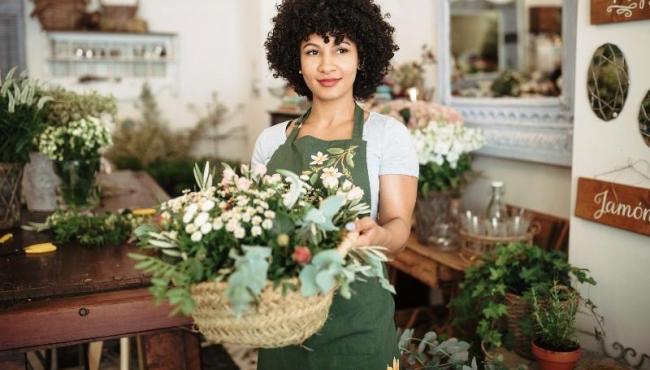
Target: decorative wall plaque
point(644, 118)
point(622, 206)
point(607, 82)
point(615, 11)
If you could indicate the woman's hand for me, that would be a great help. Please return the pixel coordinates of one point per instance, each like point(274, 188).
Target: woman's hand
point(370, 233)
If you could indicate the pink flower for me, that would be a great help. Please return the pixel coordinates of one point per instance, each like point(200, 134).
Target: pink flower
point(228, 175)
point(243, 183)
point(259, 170)
point(301, 255)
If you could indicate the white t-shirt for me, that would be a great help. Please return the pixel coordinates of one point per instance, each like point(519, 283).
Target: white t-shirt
point(389, 150)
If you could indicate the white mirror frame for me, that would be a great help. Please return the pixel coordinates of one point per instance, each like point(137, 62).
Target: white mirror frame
point(530, 129)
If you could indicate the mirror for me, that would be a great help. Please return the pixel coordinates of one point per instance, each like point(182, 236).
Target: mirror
point(507, 66)
point(607, 82)
point(644, 119)
point(506, 48)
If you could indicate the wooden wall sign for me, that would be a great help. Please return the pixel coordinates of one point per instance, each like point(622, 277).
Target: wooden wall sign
point(622, 206)
point(615, 11)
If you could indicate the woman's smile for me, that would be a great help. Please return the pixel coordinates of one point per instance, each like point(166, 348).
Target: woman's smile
point(328, 82)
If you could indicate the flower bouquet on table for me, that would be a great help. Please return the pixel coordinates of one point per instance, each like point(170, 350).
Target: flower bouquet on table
point(443, 147)
point(75, 151)
point(257, 258)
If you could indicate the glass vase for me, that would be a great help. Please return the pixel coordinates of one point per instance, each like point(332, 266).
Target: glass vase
point(433, 222)
point(40, 183)
point(78, 181)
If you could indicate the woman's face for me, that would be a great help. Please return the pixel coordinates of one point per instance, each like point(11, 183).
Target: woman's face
point(328, 69)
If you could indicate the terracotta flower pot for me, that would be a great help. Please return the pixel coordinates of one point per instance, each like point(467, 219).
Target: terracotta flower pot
point(551, 360)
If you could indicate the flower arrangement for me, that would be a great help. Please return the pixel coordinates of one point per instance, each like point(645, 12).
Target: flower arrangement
point(443, 143)
point(254, 230)
point(21, 116)
point(75, 150)
point(409, 74)
point(82, 139)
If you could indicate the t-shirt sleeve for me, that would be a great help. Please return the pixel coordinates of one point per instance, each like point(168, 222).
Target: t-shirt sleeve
point(398, 154)
point(260, 153)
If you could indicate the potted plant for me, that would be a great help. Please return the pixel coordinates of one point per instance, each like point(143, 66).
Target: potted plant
point(492, 299)
point(443, 146)
point(555, 345)
point(21, 120)
point(257, 249)
point(71, 119)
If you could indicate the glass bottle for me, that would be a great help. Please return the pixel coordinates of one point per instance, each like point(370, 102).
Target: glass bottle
point(497, 208)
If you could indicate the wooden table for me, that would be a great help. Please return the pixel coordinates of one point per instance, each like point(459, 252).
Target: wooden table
point(429, 264)
point(80, 294)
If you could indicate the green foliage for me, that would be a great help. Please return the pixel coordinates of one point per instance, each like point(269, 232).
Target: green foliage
point(87, 229)
point(441, 178)
point(249, 278)
point(22, 104)
point(507, 84)
point(432, 352)
point(69, 106)
point(149, 137)
point(555, 318)
point(511, 268)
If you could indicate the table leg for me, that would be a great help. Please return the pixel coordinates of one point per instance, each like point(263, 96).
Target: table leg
point(172, 350)
point(12, 361)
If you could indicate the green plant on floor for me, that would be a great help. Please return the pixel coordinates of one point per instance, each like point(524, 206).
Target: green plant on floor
point(22, 104)
point(515, 268)
point(555, 318)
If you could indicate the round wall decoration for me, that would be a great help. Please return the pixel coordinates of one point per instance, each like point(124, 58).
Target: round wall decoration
point(644, 118)
point(607, 82)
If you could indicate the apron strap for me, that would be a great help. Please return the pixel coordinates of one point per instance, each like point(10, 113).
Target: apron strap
point(357, 133)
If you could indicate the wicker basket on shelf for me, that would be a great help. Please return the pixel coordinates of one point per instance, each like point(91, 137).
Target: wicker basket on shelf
point(59, 15)
point(473, 246)
point(279, 319)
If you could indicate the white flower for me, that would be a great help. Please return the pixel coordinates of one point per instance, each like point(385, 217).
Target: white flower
point(240, 233)
point(187, 218)
point(217, 224)
point(232, 225)
point(269, 214)
point(192, 208)
point(228, 175)
point(256, 231)
point(267, 224)
point(355, 194)
point(256, 220)
point(207, 205)
point(196, 236)
point(347, 185)
point(190, 228)
point(246, 217)
point(330, 177)
point(206, 228)
point(318, 159)
point(201, 219)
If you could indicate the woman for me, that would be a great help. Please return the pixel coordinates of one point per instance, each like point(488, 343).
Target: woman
point(334, 52)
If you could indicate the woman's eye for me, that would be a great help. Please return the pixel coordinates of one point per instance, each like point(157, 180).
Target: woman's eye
point(312, 52)
point(342, 50)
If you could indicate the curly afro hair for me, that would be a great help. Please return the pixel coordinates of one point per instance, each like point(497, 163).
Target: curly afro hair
point(359, 20)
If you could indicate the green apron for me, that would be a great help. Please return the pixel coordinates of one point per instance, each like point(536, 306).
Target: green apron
point(360, 332)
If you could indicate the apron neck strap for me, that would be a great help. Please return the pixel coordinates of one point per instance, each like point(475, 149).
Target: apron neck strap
point(357, 132)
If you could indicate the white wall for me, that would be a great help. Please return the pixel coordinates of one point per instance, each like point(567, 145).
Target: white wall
point(213, 55)
point(619, 260)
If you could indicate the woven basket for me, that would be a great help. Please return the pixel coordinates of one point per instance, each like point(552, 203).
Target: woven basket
point(518, 310)
point(11, 175)
point(59, 15)
point(278, 320)
point(474, 246)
